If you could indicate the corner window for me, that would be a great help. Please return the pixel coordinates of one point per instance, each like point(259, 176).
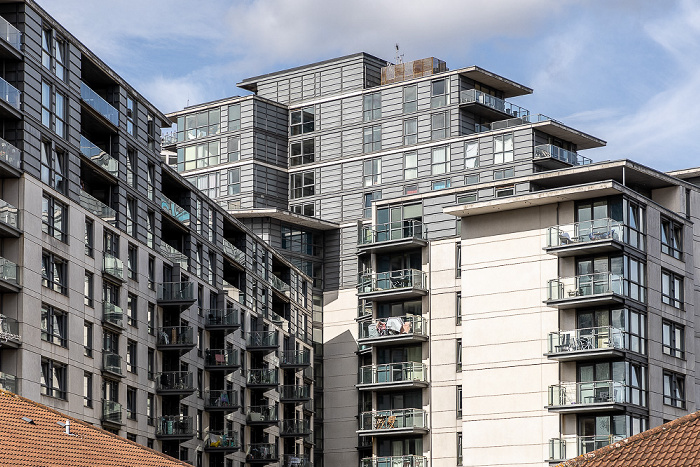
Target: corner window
point(671, 289)
point(54, 216)
point(410, 165)
point(674, 389)
point(438, 93)
point(302, 152)
point(410, 131)
point(302, 184)
point(54, 325)
point(439, 125)
point(372, 106)
point(671, 238)
point(302, 121)
point(372, 172)
point(440, 164)
point(673, 339)
point(410, 99)
point(372, 138)
point(503, 148)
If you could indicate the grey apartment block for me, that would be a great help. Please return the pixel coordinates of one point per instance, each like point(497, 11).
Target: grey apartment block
point(129, 298)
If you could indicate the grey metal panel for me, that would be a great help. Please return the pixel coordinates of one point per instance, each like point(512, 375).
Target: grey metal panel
point(352, 207)
point(392, 168)
point(329, 146)
point(330, 114)
point(352, 110)
point(352, 141)
point(392, 134)
point(352, 175)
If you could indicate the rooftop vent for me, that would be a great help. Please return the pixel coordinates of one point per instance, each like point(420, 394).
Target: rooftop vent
point(28, 420)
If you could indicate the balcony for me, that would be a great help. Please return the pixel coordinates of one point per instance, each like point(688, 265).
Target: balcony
point(395, 461)
point(392, 236)
point(295, 393)
point(98, 208)
point(10, 160)
point(296, 461)
point(98, 157)
point(295, 358)
point(221, 359)
point(175, 293)
point(553, 157)
point(221, 441)
point(233, 252)
point(174, 255)
point(279, 285)
point(174, 383)
point(9, 333)
point(262, 415)
point(113, 266)
point(175, 338)
point(586, 237)
point(392, 285)
point(112, 364)
point(8, 276)
point(12, 37)
point(392, 422)
point(222, 319)
point(397, 329)
point(364, 310)
point(295, 428)
point(9, 220)
point(488, 106)
point(100, 107)
point(174, 210)
point(568, 447)
point(586, 344)
point(215, 401)
point(174, 427)
point(261, 453)
point(261, 341)
point(393, 376)
point(262, 377)
point(112, 315)
point(597, 289)
point(9, 100)
point(594, 396)
point(111, 412)
point(8, 382)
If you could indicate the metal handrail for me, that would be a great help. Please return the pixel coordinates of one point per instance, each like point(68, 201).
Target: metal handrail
point(221, 357)
point(393, 419)
point(262, 376)
point(176, 291)
point(398, 230)
point(584, 285)
point(586, 393)
point(393, 327)
point(601, 337)
point(392, 373)
point(175, 335)
point(98, 156)
point(174, 380)
point(96, 101)
point(391, 280)
point(585, 231)
point(468, 96)
point(550, 151)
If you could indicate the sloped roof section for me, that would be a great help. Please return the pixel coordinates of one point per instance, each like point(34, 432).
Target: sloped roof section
point(676, 443)
point(32, 434)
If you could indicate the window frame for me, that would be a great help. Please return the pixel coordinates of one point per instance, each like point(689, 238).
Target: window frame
point(302, 121)
point(371, 172)
point(671, 238)
point(676, 396)
point(53, 370)
point(409, 105)
point(501, 152)
point(672, 286)
point(87, 389)
point(131, 358)
point(669, 339)
point(303, 184)
point(410, 135)
point(58, 278)
point(442, 166)
point(371, 138)
point(88, 333)
point(438, 132)
point(299, 153)
point(372, 106)
point(438, 99)
point(49, 224)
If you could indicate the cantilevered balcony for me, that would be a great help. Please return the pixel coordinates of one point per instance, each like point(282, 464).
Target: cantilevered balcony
point(175, 338)
point(9, 333)
point(599, 289)
point(395, 461)
point(262, 415)
point(261, 341)
point(392, 236)
point(174, 255)
point(175, 383)
point(9, 271)
point(587, 344)
point(392, 376)
point(295, 358)
point(594, 396)
point(221, 359)
point(112, 316)
point(111, 412)
point(488, 106)
point(279, 285)
point(98, 106)
point(9, 100)
point(221, 441)
point(293, 460)
point(568, 447)
point(389, 331)
point(586, 237)
point(294, 428)
point(10, 40)
point(392, 422)
point(9, 220)
point(225, 400)
point(8, 382)
point(113, 266)
point(98, 208)
point(261, 453)
point(222, 319)
point(295, 393)
point(233, 252)
point(112, 364)
point(262, 377)
point(176, 293)
point(10, 160)
point(174, 427)
point(175, 211)
point(552, 157)
point(392, 285)
point(101, 159)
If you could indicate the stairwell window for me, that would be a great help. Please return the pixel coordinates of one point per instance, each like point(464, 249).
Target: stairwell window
point(671, 238)
point(503, 148)
point(671, 289)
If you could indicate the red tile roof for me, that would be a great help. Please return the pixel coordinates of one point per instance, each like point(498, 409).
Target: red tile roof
point(676, 443)
point(43, 442)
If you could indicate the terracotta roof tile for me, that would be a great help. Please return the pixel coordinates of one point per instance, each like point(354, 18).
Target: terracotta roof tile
point(44, 442)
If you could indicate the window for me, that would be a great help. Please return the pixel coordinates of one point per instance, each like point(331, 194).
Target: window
point(150, 443)
point(131, 167)
point(131, 216)
point(439, 128)
point(131, 403)
point(150, 223)
point(211, 263)
point(60, 114)
point(132, 261)
point(458, 309)
point(671, 289)
point(471, 179)
point(459, 354)
point(302, 121)
point(206, 123)
point(200, 382)
point(459, 448)
point(53, 378)
point(302, 184)
point(46, 104)
point(53, 53)
point(441, 184)
point(89, 237)
point(673, 339)
point(199, 424)
point(198, 156)
point(438, 93)
point(671, 238)
point(87, 338)
point(150, 181)
point(467, 198)
point(234, 117)
point(130, 115)
point(367, 203)
point(505, 173)
point(410, 131)
point(471, 154)
point(151, 318)
point(458, 260)
point(302, 152)
point(440, 164)
point(502, 191)
point(503, 148)
point(304, 209)
point(89, 289)
point(372, 172)
point(151, 131)
point(54, 273)
point(410, 99)
point(54, 218)
point(459, 401)
point(87, 389)
point(372, 106)
point(234, 181)
point(131, 310)
point(410, 165)
point(372, 138)
point(52, 166)
point(674, 389)
point(233, 148)
point(410, 189)
point(151, 272)
point(131, 436)
point(151, 364)
point(150, 409)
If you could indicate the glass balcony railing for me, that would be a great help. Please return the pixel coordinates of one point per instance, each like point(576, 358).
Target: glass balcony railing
point(9, 215)
point(261, 452)
point(262, 413)
point(8, 271)
point(176, 292)
point(99, 157)
point(279, 284)
point(568, 447)
point(222, 440)
point(393, 373)
point(296, 461)
point(174, 425)
point(233, 251)
point(262, 377)
point(8, 382)
point(222, 317)
point(587, 285)
point(97, 207)
point(174, 255)
point(395, 326)
point(295, 427)
point(261, 339)
point(168, 138)
point(389, 231)
point(175, 336)
point(549, 151)
point(112, 362)
point(391, 280)
point(112, 314)
point(221, 357)
point(468, 96)
point(9, 94)
point(364, 309)
point(580, 233)
point(102, 107)
point(174, 381)
point(295, 357)
point(11, 34)
point(10, 154)
point(599, 338)
point(113, 266)
point(521, 120)
point(221, 399)
point(587, 393)
point(174, 210)
point(9, 330)
point(394, 461)
point(393, 419)
point(295, 392)
point(111, 411)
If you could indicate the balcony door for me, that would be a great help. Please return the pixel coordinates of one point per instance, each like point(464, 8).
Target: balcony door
point(396, 222)
point(599, 275)
point(596, 432)
point(593, 216)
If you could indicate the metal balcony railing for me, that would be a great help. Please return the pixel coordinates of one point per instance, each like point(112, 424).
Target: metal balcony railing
point(9, 215)
point(262, 376)
point(263, 339)
point(586, 285)
point(222, 317)
point(222, 440)
point(549, 151)
point(393, 373)
point(99, 157)
point(112, 362)
point(11, 34)
point(522, 120)
point(112, 314)
point(394, 461)
point(174, 210)
point(393, 419)
point(10, 154)
point(9, 94)
point(598, 338)
point(291, 460)
point(175, 335)
point(587, 393)
point(261, 452)
point(8, 382)
point(8, 271)
point(233, 251)
point(111, 411)
point(278, 284)
point(393, 327)
point(113, 266)
point(295, 391)
point(568, 447)
point(468, 96)
point(96, 101)
point(176, 291)
point(9, 330)
point(295, 427)
point(97, 207)
point(580, 233)
point(296, 357)
point(222, 399)
point(174, 425)
point(221, 357)
point(262, 413)
point(174, 381)
point(391, 280)
point(399, 230)
point(174, 255)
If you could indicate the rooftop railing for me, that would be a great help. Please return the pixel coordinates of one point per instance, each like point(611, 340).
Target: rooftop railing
point(580, 233)
point(10, 154)
point(175, 335)
point(9, 94)
point(174, 210)
point(521, 120)
point(586, 285)
point(395, 461)
point(174, 381)
point(598, 338)
point(261, 452)
point(586, 393)
point(174, 255)
point(393, 419)
point(223, 399)
point(174, 425)
point(112, 314)
point(568, 447)
point(392, 373)
point(112, 362)
point(99, 157)
point(391, 280)
point(233, 251)
point(97, 207)
point(262, 413)
point(113, 266)
point(175, 291)
point(96, 101)
point(11, 34)
point(8, 382)
point(468, 96)
point(9, 215)
point(111, 411)
point(549, 151)
point(393, 327)
point(388, 231)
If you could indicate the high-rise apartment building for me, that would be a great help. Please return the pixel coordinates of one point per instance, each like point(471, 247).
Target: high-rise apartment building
point(128, 298)
point(483, 293)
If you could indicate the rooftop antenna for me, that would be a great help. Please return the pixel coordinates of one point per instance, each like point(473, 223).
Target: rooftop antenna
point(399, 57)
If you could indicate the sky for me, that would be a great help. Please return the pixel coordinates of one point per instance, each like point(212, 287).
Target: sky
point(625, 71)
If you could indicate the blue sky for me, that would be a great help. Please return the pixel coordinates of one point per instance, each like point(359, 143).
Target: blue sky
point(626, 71)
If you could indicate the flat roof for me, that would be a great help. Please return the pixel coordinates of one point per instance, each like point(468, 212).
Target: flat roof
point(509, 87)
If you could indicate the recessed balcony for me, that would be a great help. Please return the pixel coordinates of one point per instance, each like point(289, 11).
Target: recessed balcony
point(111, 413)
point(175, 383)
point(568, 447)
point(221, 441)
point(393, 422)
point(392, 236)
point(99, 158)
point(262, 415)
point(586, 237)
point(262, 377)
point(112, 316)
point(395, 461)
point(174, 427)
point(175, 211)
point(9, 220)
point(392, 285)
point(261, 453)
point(264, 341)
point(176, 293)
point(99, 107)
point(392, 376)
point(174, 255)
point(112, 364)
point(175, 338)
point(586, 344)
point(9, 333)
point(113, 266)
point(225, 400)
point(221, 359)
point(8, 382)
point(550, 157)
point(222, 319)
point(599, 289)
point(488, 106)
point(10, 160)
point(295, 358)
point(593, 396)
point(393, 330)
point(233, 252)
point(295, 393)
point(97, 208)
point(294, 428)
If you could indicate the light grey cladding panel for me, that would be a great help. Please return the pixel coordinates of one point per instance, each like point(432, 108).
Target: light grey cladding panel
point(352, 110)
point(331, 208)
point(330, 177)
point(331, 81)
point(352, 141)
point(330, 146)
point(349, 272)
point(330, 115)
point(392, 102)
point(295, 88)
point(352, 175)
point(309, 85)
point(352, 206)
point(353, 77)
point(331, 264)
point(522, 144)
point(423, 127)
point(282, 91)
point(439, 224)
point(392, 134)
point(392, 168)
point(424, 162)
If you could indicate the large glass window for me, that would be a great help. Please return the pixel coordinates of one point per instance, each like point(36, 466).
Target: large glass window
point(471, 154)
point(503, 148)
point(54, 325)
point(302, 120)
point(410, 165)
point(207, 183)
point(54, 273)
point(673, 339)
point(201, 124)
point(438, 93)
point(302, 152)
point(372, 138)
point(54, 217)
point(671, 289)
point(53, 53)
point(410, 131)
point(372, 106)
point(440, 164)
point(52, 166)
point(674, 389)
point(439, 125)
point(372, 172)
point(302, 184)
point(410, 99)
point(671, 238)
point(53, 378)
point(198, 156)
